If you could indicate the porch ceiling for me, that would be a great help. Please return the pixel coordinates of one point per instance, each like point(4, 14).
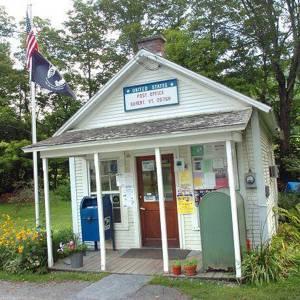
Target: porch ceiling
point(195, 123)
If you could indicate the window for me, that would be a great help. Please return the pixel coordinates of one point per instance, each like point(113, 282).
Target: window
point(149, 179)
point(108, 172)
point(209, 166)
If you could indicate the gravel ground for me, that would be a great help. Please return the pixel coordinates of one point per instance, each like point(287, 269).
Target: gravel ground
point(41, 291)
point(113, 287)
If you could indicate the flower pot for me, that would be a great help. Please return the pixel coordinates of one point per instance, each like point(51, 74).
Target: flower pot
point(77, 260)
point(190, 270)
point(176, 270)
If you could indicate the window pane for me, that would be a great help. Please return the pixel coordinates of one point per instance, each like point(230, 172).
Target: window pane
point(167, 179)
point(117, 215)
point(113, 183)
point(116, 208)
point(149, 180)
point(92, 177)
point(105, 183)
point(104, 167)
point(113, 167)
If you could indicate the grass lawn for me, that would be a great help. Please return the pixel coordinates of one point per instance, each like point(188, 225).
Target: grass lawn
point(286, 289)
point(53, 276)
point(60, 213)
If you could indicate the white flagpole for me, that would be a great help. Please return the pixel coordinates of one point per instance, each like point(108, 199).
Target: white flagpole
point(34, 140)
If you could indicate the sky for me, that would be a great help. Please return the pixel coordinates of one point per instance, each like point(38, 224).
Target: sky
point(55, 10)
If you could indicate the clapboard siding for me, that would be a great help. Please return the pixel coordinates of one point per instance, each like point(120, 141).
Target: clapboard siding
point(268, 160)
point(193, 98)
point(81, 189)
point(253, 223)
point(125, 239)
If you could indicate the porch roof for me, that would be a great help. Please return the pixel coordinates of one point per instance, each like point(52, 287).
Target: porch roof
point(201, 122)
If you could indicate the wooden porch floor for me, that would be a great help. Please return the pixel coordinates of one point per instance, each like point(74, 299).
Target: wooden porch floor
point(140, 266)
point(114, 264)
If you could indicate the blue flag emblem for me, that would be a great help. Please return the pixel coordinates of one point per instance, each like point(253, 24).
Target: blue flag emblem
point(47, 76)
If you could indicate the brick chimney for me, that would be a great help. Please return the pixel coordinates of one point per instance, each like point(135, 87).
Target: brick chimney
point(154, 44)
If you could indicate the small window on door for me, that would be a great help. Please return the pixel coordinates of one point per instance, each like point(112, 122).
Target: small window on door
point(108, 172)
point(149, 179)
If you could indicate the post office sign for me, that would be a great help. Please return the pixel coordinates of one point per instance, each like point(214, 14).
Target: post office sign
point(150, 95)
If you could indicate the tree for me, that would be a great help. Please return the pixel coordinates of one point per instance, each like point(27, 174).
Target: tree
point(15, 165)
point(273, 26)
point(127, 18)
point(7, 25)
point(90, 53)
point(168, 14)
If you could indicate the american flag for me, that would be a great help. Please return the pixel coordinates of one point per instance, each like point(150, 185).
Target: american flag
point(31, 42)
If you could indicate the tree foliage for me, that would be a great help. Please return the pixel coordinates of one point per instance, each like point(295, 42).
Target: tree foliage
point(252, 46)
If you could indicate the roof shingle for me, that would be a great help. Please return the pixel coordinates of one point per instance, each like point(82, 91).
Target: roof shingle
point(159, 127)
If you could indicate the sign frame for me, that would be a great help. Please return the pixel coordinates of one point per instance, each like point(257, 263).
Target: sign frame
point(149, 83)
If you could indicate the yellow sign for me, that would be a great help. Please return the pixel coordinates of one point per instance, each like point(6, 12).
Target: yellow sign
point(185, 204)
point(185, 177)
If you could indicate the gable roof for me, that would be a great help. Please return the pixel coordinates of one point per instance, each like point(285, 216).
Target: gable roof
point(234, 120)
point(129, 67)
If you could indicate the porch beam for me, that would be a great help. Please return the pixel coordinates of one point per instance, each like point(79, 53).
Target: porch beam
point(100, 212)
point(47, 213)
point(171, 140)
point(162, 211)
point(235, 224)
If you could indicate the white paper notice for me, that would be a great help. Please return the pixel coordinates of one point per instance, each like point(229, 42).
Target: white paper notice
point(125, 181)
point(209, 180)
point(127, 196)
point(218, 163)
point(148, 165)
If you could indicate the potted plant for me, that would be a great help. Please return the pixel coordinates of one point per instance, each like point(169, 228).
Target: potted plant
point(76, 254)
point(190, 266)
point(176, 267)
point(83, 248)
point(75, 251)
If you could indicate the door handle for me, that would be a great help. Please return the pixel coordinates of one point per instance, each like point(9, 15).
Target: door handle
point(142, 208)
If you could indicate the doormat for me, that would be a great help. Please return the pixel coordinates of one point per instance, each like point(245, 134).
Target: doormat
point(174, 254)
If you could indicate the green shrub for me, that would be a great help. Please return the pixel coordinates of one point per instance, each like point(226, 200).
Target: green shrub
point(62, 193)
point(263, 265)
point(288, 200)
point(61, 236)
point(23, 193)
point(23, 249)
point(289, 233)
point(278, 257)
point(15, 165)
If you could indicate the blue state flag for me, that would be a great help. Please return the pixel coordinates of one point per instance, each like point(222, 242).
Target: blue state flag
point(47, 76)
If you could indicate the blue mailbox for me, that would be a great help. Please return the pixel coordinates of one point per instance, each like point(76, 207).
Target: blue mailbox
point(89, 219)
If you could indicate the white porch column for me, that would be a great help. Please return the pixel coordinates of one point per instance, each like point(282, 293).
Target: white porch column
point(100, 211)
point(235, 225)
point(162, 211)
point(36, 188)
point(47, 213)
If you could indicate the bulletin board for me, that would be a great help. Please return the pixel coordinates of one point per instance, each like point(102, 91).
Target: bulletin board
point(209, 168)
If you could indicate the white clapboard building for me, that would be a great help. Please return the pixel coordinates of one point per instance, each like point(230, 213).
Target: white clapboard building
point(158, 138)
